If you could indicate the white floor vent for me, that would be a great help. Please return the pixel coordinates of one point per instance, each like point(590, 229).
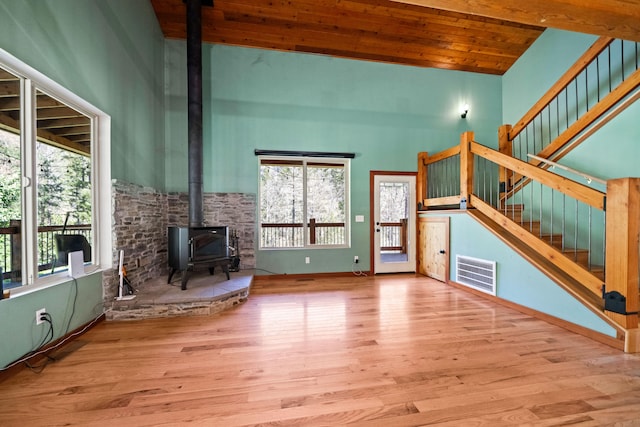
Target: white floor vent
point(476, 273)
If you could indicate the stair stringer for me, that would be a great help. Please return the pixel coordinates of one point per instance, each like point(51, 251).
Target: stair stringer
point(554, 273)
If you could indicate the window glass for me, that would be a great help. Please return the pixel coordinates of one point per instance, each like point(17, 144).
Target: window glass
point(47, 195)
point(10, 179)
point(303, 202)
point(326, 203)
point(63, 183)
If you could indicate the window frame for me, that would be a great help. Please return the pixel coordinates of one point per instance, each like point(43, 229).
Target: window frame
point(30, 81)
point(304, 160)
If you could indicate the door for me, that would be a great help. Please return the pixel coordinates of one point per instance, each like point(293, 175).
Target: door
point(433, 250)
point(394, 222)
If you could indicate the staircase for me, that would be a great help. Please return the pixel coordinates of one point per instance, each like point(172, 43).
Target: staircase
point(581, 256)
point(560, 225)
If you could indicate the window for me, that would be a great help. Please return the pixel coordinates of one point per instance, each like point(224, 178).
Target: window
point(49, 203)
point(304, 202)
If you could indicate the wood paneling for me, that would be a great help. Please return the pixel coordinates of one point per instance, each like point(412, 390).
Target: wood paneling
point(376, 351)
point(373, 30)
point(616, 18)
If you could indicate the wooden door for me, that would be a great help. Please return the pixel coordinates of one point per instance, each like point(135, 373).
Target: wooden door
point(433, 247)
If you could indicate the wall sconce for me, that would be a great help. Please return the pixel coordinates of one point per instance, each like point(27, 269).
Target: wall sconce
point(464, 110)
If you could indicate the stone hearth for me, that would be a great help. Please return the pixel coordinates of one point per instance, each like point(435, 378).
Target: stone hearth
point(206, 294)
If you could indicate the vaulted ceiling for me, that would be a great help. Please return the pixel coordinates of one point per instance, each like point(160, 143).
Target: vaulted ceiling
point(483, 36)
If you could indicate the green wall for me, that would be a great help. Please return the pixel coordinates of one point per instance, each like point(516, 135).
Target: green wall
point(111, 54)
point(383, 113)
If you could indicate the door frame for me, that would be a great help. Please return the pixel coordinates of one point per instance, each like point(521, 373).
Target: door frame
point(372, 176)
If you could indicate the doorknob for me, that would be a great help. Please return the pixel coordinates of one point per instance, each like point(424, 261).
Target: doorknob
point(442, 251)
point(377, 230)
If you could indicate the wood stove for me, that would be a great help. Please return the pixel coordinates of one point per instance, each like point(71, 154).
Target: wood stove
point(190, 247)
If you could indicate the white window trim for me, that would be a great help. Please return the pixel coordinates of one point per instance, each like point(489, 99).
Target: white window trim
point(347, 196)
point(100, 166)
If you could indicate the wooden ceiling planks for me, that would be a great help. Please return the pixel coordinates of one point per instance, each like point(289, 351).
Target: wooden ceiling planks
point(373, 30)
point(614, 18)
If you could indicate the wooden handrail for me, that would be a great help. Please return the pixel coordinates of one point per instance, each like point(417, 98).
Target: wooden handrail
point(605, 104)
point(595, 49)
point(576, 190)
point(299, 224)
point(449, 152)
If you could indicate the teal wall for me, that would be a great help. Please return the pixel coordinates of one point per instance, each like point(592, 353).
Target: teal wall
point(383, 113)
point(111, 54)
point(516, 279)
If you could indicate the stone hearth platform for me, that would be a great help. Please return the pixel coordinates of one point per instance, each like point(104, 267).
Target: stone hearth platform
point(205, 294)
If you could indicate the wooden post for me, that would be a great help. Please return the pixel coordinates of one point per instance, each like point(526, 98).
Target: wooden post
point(466, 168)
point(16, 250)
point(505, 147)
point(404, 236)
point(622, 242)
point(312, 231)
point(421, 183)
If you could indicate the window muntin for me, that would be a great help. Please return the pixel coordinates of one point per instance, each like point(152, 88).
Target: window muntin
point(304, 202)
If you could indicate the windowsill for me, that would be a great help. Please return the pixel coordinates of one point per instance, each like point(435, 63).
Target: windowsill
point(50, 282)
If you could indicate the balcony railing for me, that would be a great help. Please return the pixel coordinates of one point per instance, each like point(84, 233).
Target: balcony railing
point(393, 236)
point(10, 244)
point(292, 235)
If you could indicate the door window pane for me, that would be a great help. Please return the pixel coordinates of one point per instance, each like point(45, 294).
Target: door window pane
point(394, 214)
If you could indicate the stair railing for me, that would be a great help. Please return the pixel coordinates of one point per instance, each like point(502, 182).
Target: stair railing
point(591, 235)
point(602, 77)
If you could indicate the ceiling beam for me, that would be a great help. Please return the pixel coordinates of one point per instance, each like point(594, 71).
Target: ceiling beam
point(615, 18)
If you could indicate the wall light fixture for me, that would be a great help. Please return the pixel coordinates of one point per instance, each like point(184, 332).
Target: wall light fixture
point(464, 110)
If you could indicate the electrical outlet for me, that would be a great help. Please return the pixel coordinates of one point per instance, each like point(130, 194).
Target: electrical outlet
point(307, 260)
point(39, 315)
point(355, 259)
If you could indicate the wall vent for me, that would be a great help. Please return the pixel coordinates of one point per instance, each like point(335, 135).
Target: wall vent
point(476, 273)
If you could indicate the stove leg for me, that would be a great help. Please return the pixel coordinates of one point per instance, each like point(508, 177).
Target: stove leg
point(173, 271)
point(185, 278)
point(225, 268)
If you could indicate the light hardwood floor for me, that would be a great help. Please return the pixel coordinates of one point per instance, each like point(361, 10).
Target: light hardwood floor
point(394, 350)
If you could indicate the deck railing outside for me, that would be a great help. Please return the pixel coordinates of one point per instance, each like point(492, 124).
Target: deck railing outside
point(10, 242)
point(283, 235)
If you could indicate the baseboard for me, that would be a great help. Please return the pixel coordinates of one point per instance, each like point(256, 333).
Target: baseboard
point(8, 373)
point(617, 343)
point(270, 277)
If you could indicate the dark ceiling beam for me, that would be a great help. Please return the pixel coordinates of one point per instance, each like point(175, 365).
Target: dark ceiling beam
point(615, 18)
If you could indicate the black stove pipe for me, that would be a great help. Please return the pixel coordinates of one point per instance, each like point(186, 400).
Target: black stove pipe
point(194, 98)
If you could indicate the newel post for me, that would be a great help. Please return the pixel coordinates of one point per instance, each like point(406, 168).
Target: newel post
point(622, 243)
point(421, 185)
point(466, 169)
point(505, 147)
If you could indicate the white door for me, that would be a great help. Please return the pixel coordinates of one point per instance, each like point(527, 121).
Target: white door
point(394, 216)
